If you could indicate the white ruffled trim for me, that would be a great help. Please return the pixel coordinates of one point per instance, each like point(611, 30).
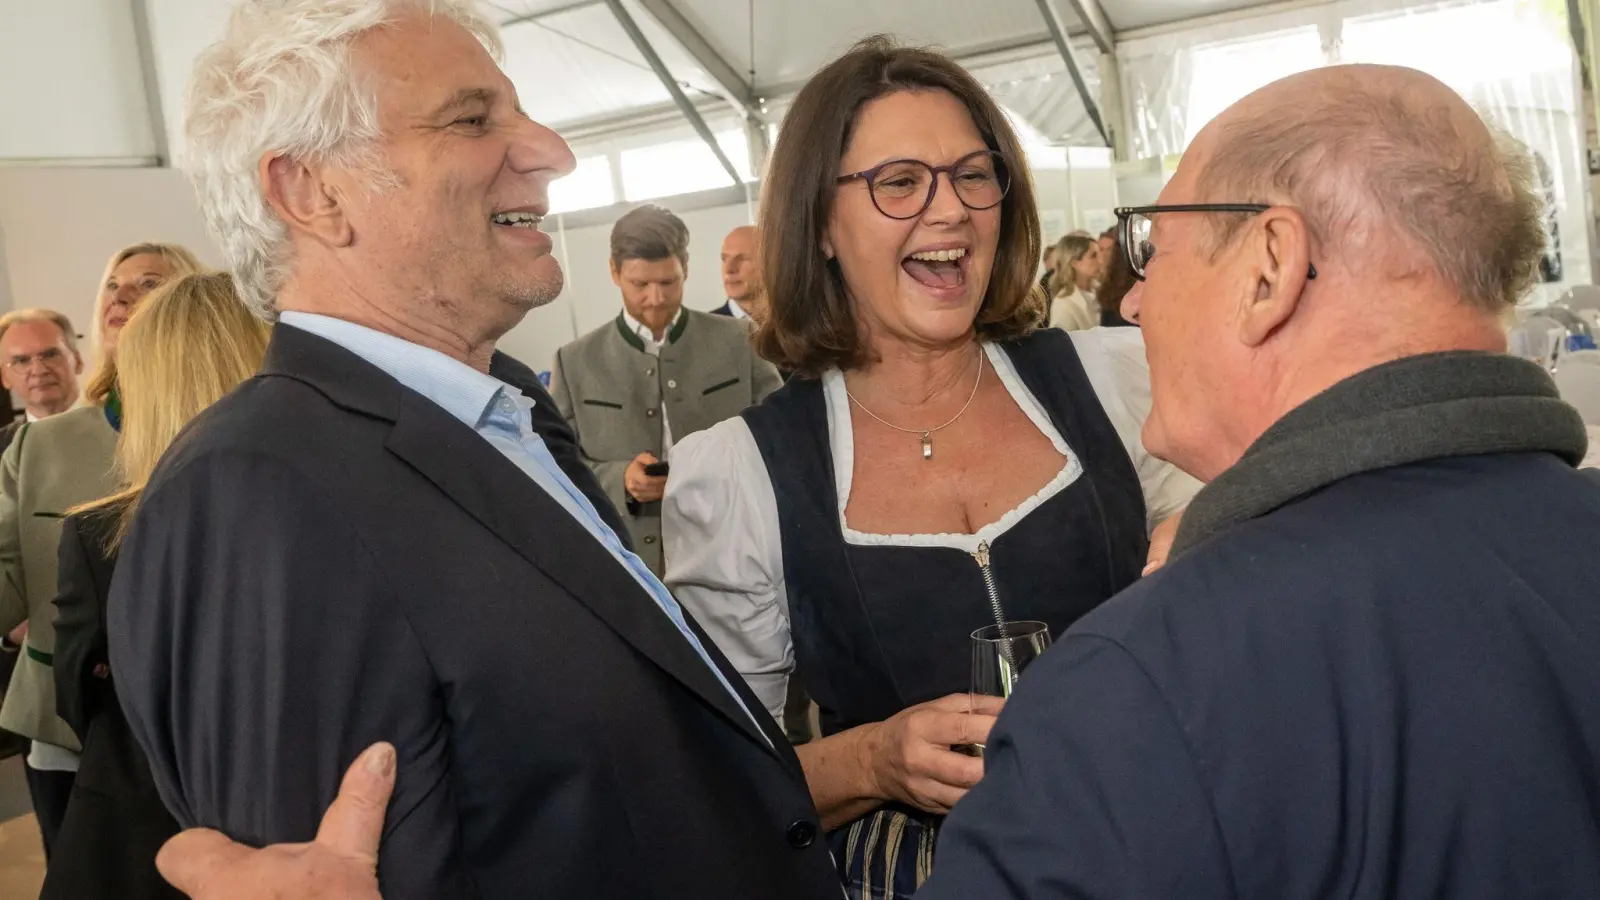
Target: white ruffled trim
point(841, 439)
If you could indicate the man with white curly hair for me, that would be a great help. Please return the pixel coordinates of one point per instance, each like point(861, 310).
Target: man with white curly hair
point(389, 534)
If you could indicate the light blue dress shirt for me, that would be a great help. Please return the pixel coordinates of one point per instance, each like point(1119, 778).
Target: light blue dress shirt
point(501, 415)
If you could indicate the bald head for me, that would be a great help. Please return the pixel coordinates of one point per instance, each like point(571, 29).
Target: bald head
point(739, 264)
point(1397, 223)
point(1393, 172)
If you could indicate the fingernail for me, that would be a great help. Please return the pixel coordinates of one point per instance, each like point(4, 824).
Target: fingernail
point(380, 759)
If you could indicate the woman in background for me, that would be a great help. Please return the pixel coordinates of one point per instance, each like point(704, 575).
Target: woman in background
point(190, 343)
point(1078, 267)
point(52, 465)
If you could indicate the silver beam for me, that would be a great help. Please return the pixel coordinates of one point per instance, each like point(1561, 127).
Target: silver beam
point(730, 84)
point(977, 57)
point(642, 43)
point(631, 121)
point(1058, 33)
point(152, 84)
point(550, 13)
point(1094, 19)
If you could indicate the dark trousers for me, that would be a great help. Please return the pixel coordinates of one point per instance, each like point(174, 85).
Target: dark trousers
point(50, 792)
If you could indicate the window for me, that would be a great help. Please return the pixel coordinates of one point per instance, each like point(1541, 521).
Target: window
point(588, 186)
point(1225, 73)
point(1089, 157)
point(682, 167)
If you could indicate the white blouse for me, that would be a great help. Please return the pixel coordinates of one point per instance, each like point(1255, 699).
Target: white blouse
point(720, 529)
point(1077, 311)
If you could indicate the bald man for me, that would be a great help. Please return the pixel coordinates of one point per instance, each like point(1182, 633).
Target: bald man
point(1369, 668)
point(740, 280)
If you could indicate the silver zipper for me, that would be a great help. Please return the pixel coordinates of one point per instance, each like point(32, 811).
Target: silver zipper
point(982, 556)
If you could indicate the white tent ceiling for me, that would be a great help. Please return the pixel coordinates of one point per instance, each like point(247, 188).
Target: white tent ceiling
point(103, 80)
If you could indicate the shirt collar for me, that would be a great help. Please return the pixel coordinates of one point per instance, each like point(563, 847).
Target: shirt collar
point(456, 387)
point(736, 310)
point(645, 334)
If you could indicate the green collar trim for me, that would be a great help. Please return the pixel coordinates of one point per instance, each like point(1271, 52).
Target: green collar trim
point(637, 343)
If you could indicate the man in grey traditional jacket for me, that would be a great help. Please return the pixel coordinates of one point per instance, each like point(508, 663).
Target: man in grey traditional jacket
point(656, 373)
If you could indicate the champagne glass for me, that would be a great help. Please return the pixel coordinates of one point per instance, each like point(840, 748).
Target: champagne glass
point(999, 654)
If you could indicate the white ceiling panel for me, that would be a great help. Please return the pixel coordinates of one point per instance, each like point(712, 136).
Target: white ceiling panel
point(793, 39)
point(1129, 14)
point(70, 82)
point(581, 65)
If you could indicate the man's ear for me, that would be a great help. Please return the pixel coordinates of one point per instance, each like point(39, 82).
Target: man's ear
point(616, 274)
point(302, 197)
point(1278, 249)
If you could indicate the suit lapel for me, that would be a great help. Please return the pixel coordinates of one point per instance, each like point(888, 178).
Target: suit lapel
point(501, 497)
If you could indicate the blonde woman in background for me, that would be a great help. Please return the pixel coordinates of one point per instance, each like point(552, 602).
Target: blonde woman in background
point(1078, 266)
point(190, 343)
point(51, 466)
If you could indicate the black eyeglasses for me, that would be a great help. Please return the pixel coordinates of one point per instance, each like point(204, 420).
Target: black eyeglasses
point(1133, 228)
point(904, 188)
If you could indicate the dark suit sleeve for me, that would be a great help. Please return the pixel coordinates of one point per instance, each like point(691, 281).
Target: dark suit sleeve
point(1089, 791)
point(259, 649)
point(80, 632)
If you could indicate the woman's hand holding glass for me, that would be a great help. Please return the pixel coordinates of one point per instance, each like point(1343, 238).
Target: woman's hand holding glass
point(910, 756)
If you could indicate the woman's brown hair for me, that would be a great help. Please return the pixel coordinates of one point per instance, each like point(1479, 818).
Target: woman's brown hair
point(810, 325)
point(1117, 283)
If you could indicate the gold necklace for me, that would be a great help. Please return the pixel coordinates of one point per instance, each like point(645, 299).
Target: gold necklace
point(926, 433)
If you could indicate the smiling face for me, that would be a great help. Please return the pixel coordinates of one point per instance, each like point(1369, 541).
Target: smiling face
point(917, 281)
point(451, 219)
point(129, 282)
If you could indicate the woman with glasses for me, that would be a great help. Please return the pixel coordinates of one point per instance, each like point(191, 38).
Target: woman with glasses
point(939, 463)
point(51, 466)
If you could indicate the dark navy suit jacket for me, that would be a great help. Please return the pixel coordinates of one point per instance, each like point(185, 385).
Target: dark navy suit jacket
point(326, 559)
point(1386, 690)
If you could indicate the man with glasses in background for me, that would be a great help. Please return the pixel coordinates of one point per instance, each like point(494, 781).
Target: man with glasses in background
point(40, 363)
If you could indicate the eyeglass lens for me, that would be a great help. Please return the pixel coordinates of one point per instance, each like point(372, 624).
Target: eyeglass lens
point(1137, 241)
point(903, 189)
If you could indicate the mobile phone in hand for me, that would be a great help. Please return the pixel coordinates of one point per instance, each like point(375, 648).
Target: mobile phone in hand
point(656, 469)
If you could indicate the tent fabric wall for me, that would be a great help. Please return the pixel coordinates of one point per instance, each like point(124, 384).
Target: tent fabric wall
point(1511, 59)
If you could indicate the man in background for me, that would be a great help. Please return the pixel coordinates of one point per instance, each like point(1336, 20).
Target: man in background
point(741, 279)
point(656, 373)
point(40, 363)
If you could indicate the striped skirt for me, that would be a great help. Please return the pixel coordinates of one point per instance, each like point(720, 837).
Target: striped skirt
point(885, 855)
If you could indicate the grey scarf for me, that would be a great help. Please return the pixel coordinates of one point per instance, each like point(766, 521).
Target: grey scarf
point(1438, 405)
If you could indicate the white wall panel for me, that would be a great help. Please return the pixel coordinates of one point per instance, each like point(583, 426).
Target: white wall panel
point(70, 84)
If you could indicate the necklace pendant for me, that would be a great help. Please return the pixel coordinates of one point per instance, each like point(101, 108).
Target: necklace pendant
point(927, 445)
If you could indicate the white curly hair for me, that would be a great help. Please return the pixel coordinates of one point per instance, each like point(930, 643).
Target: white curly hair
point(281, 82)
